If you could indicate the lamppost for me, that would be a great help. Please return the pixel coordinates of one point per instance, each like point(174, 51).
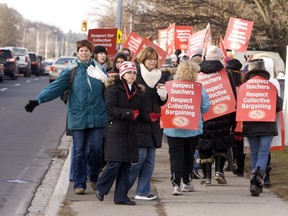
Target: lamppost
point(56, 45)
point(47, 41)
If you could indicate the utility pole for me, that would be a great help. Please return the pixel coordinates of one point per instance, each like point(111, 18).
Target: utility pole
point(119, 14)
point(118, 24)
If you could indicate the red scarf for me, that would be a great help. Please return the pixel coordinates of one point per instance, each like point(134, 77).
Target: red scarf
point(129, 93)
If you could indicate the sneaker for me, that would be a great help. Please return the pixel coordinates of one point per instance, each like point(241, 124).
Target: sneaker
point(176, 190)
point(189, 187)
point(220, 178)
point(93, 185)
point(149, 197)
point(205, 182)
point(79, 191)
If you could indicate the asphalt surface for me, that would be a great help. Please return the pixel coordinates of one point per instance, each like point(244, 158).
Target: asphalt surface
point(233, 199)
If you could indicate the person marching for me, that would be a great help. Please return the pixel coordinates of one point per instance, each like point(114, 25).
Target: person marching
point(123, 104)
point(86, 114)
point(259, 133)
point(149, 131)
point(216, 137)
point(182, 142)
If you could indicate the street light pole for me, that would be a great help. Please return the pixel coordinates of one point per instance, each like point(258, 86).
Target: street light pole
point(118, 23)
point(46, 44)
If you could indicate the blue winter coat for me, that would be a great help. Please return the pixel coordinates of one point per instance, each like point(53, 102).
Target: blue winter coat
point(85, 106)
point(183, 133)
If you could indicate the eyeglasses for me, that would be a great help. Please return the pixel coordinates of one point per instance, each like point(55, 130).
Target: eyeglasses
point(152, 59)
point(131, 72)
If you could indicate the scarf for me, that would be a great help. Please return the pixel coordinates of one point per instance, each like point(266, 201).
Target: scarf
point(130, 92)
point(152, 77)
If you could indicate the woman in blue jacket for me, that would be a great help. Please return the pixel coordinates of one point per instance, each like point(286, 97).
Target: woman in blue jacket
point(182, 142)
point(86, 114)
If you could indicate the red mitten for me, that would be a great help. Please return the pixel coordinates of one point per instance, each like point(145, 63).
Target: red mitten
point(154, 117)
point(135, 114)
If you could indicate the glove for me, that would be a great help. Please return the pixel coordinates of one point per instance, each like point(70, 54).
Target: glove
point(31, 105)
point(135, 114)
point(154, 117)
point(162, 92)
point(97, 73)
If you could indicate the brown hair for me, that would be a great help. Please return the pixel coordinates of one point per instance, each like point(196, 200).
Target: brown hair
point(83, 43)
point(147, 53)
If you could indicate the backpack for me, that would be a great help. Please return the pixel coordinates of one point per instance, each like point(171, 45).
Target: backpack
point(64, 97)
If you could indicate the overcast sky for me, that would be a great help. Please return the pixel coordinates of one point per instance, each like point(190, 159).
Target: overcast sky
point(64, 14)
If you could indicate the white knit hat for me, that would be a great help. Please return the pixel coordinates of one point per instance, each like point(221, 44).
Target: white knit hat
point(213, 53)
point(125, 67)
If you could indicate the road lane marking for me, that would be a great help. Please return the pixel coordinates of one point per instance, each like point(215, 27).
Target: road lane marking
point(17, 84)
point(3, 89)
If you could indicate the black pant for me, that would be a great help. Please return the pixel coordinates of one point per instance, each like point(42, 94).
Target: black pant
point(119, 171)
point(181, 151)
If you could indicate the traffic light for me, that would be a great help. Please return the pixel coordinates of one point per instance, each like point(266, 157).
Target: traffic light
point(84, 26)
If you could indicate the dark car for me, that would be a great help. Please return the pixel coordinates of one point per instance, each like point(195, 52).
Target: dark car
point(10, 63)
point(35, 65)
point(24, 62)
point(1, 72)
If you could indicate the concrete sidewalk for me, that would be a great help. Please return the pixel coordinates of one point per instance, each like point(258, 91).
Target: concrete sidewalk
point(232, 199)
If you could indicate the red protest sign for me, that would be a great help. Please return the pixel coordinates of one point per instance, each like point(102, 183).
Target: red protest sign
point(162, 39)
point(170, 39)
point(104, 37)
point(182, 35)
point(256, 100)
point(221, 46)
point(218, 87)
point(182, 109)
point(195, 41)
point(133, 42)
point(146, 42)
point(238, 34)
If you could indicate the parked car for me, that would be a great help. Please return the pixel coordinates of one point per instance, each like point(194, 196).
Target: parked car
point(1, 72)
point(24, 63)
point(10, 62)
point(57, 67)
point(47, 64)
point(35, 64)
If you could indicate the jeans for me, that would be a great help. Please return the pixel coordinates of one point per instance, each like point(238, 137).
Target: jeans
point(259, 147)
point(87, 152)
point(195, 164)
point(143, 170)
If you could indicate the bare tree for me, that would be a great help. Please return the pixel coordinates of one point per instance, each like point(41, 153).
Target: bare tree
point(270, 18)
point(11, 26)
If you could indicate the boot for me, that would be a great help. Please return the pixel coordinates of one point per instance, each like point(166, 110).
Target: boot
point(206, 169)
point(238, 172)
point(267, 182)
point(256, 181)
point(219, 173)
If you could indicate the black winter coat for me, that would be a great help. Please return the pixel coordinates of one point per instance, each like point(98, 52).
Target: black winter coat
point(149, 133)
point(121, 132)
point(217, 132)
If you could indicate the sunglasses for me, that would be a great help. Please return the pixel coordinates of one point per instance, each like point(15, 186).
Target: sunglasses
point(131, 72)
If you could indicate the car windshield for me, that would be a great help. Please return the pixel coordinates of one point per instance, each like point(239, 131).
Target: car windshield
point(20, 52)
point(4, 54)
point(33, 57)
point(63, 61)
